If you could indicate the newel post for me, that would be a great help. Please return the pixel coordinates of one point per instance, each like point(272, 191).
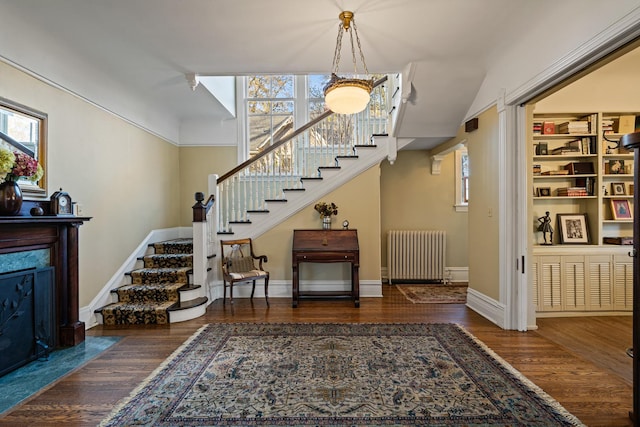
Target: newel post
point(200, 240)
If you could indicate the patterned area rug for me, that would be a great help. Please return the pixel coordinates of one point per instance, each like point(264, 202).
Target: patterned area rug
point(337, 374)
point(435, 294)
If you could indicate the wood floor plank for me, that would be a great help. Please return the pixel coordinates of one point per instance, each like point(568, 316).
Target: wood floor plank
point(581, 371)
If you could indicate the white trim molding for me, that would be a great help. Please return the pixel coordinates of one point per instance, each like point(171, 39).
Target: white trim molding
point(487, 307)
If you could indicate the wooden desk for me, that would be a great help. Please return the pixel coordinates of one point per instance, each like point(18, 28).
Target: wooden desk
point(324, 246)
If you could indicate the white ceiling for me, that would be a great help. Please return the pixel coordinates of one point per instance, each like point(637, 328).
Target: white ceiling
point(148, 46)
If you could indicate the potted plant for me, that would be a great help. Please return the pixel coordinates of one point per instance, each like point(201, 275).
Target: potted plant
point(326, 211)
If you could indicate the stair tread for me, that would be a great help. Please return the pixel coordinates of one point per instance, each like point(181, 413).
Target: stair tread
point(160, 269)
point(185, 305)
point(136, 306)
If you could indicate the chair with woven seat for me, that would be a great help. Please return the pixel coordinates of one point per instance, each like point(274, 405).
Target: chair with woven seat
point(238, 266)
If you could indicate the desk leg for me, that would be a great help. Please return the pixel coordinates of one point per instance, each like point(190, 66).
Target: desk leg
point(295, 290)
point(355, 284)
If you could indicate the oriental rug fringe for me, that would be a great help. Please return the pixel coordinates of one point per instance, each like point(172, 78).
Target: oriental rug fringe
point(337, 375)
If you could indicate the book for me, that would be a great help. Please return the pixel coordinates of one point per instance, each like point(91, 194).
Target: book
point(556, 172)
point(579, 168)
point(542, 149)
point(626, 124)
point(618, 240)
point(548, 128)
point(573, 127)
point(572, 191)
point(566, 150)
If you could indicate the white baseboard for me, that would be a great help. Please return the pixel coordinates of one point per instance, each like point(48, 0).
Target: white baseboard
point(282, 289)
point(86, 314)
point(487, 307)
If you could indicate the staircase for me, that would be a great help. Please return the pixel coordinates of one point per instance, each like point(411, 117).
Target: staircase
point(302, 166)
point(252, 198)
point(160, 291)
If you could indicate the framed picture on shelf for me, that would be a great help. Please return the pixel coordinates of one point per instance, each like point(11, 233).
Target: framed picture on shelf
point(543, 192)
point(618, 189)
point(614, 167)
point(573, 229)
point(621, 209)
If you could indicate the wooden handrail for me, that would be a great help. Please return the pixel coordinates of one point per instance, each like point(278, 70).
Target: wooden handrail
point(16, 144)
point(284, 140)
point(200, 209)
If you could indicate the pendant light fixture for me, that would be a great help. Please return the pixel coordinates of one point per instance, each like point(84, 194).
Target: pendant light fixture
point(347, 95)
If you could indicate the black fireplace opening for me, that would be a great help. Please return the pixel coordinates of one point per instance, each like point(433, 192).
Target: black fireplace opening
point(27, 317)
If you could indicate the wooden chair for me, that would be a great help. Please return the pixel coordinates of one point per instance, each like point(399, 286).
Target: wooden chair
point(238, 266)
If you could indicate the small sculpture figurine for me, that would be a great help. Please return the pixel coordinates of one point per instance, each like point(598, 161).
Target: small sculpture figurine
point(545, 227)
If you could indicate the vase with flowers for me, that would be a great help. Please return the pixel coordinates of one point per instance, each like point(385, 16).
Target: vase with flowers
point(13, 166)
point(326, 211)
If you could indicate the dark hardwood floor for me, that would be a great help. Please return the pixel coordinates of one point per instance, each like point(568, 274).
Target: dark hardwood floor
point(581, 362)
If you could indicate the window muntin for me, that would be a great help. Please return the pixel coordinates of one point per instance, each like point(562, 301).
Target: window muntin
point(270, 110)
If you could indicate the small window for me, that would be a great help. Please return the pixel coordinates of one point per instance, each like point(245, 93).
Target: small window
point(462, 180)
point(28, 127)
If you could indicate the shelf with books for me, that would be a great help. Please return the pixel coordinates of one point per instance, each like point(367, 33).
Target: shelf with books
point(578, 167)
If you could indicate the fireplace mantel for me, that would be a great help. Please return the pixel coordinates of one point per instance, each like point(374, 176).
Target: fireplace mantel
point(59, 234)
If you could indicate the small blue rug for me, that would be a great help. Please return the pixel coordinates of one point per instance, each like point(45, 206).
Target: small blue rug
point(20, 384)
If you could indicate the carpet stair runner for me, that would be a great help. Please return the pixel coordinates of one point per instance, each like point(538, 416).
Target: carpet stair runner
point(155, 289)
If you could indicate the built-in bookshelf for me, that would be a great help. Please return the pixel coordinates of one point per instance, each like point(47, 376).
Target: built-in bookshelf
point(583, 179)
point(578, 167)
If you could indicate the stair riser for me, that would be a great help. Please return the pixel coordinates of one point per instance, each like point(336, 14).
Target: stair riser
point(175, 261)
point(151, 277)
point(188, 314)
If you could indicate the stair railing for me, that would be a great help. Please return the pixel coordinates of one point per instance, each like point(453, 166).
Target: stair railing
point(266, 176)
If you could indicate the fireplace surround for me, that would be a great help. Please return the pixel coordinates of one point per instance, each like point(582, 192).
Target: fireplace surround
point(56, 237)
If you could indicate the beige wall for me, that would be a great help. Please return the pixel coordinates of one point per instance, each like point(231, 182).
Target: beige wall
point(482, 146)
point(612, 88)
point(359, 202)
point(414, 199)
point(126, 179)
point(196, 164)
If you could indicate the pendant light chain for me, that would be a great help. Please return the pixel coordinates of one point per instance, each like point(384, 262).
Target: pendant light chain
point(336, 54)
point(364, 64)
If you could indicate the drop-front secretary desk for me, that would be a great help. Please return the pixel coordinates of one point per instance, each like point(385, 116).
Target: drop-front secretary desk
point(324, 246)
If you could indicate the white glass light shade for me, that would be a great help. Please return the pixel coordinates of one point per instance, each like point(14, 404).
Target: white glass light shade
point(348, 97)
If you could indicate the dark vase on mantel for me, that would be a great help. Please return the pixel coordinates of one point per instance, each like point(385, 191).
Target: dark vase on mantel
point(10, 198)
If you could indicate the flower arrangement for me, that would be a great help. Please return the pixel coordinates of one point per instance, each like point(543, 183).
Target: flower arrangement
point(326, 209)
point(14, 165)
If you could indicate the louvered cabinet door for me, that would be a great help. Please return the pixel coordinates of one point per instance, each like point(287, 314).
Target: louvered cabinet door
point(574, 283)
point(535, 280)
point(600, 283)
point(550, 283)
point(623, 282)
